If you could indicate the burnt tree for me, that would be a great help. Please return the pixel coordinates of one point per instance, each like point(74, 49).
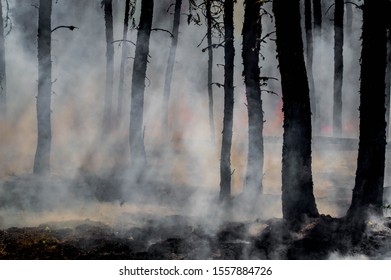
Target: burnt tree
point(136, 137)
point(368, 190)
point(125, 49)
point(170, 68)
point(229, 50)
point(252, 30)
point(298, 201)
point(3, 85)
point(388, 72)
point(42, 154)
point(338, 66)
point(317, 11)
point(107, 111)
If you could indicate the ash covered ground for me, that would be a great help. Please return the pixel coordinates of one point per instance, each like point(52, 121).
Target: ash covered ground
point(103, 217)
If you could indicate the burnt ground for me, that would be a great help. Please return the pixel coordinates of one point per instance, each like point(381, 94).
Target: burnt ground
point(175, 238)
point(168, 232)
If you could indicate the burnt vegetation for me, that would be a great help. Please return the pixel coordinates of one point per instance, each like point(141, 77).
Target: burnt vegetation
point(300, 170)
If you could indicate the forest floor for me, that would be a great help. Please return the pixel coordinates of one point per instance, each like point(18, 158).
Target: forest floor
point(175, 238)
point(100, 217)
point(39, 225)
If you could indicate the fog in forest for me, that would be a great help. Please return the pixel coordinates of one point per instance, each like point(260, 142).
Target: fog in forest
point(183, 179)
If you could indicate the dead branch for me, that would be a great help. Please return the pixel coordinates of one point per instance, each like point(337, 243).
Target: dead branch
point(160, 29)
point(70, 27)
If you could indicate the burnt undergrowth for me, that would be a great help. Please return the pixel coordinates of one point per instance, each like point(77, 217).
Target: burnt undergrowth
point(175, 234)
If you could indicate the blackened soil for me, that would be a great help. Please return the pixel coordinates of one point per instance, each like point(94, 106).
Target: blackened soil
point(176, 238)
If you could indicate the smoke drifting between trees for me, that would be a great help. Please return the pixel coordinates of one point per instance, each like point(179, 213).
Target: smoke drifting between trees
point(180, 84)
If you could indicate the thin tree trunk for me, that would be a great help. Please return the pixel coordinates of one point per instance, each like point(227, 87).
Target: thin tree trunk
point(310, 55)
point(120, 105)
point(298, 200)
point(225, 163)
point(210, 71)
point(136, 138)
point(317, 5)
point(252, 30)
point(388, 79)
point(3, 85)
point(107, 111)
point(368, 190)
point(42, 155)
point(170, 68)
point(338, 66)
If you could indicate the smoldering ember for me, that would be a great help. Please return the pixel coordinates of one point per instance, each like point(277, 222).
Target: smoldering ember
point(195, 129)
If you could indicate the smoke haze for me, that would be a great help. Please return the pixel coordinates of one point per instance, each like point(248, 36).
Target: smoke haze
point(184, 178)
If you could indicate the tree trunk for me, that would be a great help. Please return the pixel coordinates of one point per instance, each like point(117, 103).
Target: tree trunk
point(298, 200)
point(3, 85)
point(338, 67)
point(107, 111)
point(42, 155)
point(170, 68)
point(136, 138)
point(317, 5)
point(388, 75)
point(120, 105)
point(225, 163)
point(252, 30)
point(310, 55)
point(368, 190)
point(210, 70)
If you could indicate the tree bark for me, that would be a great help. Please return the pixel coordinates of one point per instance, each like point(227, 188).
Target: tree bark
point(338, 66)
point(3, 77)
point(120, 105)
point(252, 30)
point(42, 155)
point(298, 201)
point(225, 162)
point(388, 73)
point(210, 71)
point(107, 111)
point(136, 138)
point(170, 68)
point(368, 190)
point(317, 18)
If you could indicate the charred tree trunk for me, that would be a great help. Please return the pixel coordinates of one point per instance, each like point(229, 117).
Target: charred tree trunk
point(252, 30)
point(388, 75)
point(310, 55)
point(338, 66)
point(120, 105)
point(136, 138)
point(298, 200)
point(107, 111)
point(3, 85)
point(170, 68)
point(42, 155)
point(225, 162)
point(317, 6)
point(210, 70)
point(368, 190)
